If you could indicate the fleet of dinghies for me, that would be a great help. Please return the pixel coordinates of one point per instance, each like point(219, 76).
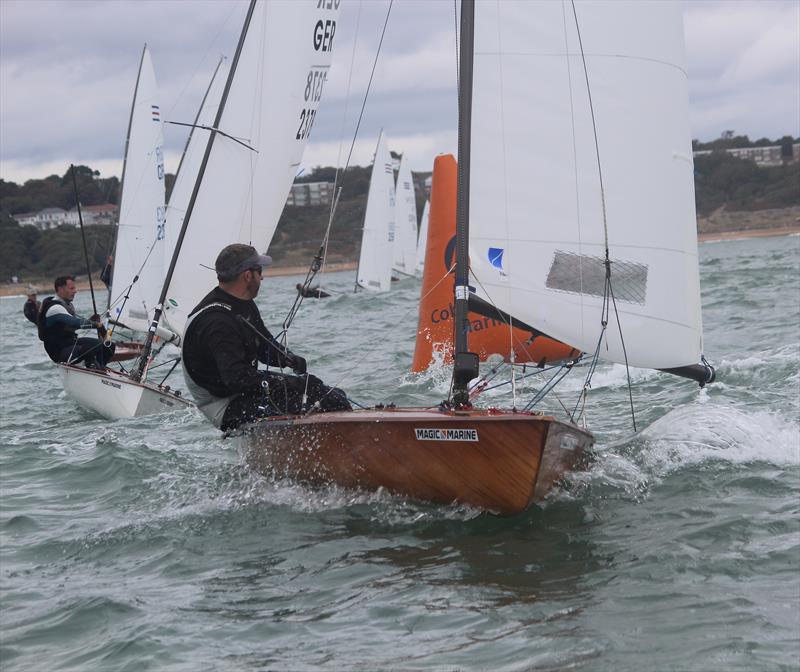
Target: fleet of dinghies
point(391, 246)
point(551, 272)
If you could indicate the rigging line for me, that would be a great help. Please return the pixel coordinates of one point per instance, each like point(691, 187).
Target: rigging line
point(256, 115)
point(222, 26)
point(324, 246)
point(337, 192)
point(369, 86)
point(574, 141)
point(520, 344)
point(596, 355)
point(625, 354)
point(316, 265)
point(83, 238)
point(127, 290)
point(594, 127)
point(548, 387)
point(371, 351)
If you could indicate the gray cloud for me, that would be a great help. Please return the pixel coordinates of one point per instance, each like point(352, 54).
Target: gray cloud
point(67, 70)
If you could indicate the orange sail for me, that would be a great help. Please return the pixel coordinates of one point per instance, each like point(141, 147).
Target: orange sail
point(435, 326)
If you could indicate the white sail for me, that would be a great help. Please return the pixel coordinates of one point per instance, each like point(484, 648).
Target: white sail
point(405, 222)
point(377, 242)
point(422, 241)
point(267, 118)
point(193, 157)
point(140, 238)
point(537, 241)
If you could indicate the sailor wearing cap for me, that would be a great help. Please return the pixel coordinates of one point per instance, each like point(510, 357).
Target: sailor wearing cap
point(223, 342)
point(32, 306)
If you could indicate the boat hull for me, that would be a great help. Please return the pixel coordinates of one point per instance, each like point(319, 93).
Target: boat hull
point(494, 460)
point(114, 395)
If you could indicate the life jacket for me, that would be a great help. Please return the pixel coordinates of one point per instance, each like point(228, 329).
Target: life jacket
point(211, 405)
point(57, 337)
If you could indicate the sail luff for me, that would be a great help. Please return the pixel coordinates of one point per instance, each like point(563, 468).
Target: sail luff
point(139, 255)
point(113, 246)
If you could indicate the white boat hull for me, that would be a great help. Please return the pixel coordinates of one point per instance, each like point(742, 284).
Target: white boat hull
point(115, 396)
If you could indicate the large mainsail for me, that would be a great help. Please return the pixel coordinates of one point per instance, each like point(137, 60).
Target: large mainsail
point(537, 215)
point(375, 260)
point(270, 104)
point(140, 238)
point(405, 221)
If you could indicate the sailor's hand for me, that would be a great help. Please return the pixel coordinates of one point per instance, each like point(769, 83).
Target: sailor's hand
point(298, 364)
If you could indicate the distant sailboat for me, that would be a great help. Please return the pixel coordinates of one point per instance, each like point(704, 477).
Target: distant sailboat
point(374, 271)
point(139, 261)
point(422, 240)
point(405, 222)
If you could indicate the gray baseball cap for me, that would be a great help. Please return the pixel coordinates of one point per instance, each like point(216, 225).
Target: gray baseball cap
point(237, 258)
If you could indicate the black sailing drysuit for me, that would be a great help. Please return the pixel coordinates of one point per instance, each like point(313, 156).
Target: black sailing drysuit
point(221, 352)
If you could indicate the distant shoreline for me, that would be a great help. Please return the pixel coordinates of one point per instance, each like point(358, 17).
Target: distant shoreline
point(747, 233)
point(20, 289)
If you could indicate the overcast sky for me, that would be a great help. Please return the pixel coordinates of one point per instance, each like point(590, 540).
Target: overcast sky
point(68, 67)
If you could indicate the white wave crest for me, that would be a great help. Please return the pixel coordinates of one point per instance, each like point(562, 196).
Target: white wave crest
point(703, 432)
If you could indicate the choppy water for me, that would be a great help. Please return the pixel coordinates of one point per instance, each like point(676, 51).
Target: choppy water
point(145, 545)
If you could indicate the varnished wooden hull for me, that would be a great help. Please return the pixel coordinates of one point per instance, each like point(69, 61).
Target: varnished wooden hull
point(494, 460)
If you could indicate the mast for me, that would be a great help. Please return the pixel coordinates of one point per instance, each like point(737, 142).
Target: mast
point(148, 344)
point(465, 366)
point(113, 246)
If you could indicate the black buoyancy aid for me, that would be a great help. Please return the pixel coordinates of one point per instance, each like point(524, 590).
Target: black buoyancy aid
point(58, 337)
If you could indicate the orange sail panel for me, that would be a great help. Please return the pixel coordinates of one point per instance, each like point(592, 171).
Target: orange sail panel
point(435, 327)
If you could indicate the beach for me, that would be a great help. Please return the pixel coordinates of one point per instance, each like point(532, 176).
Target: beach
point(43, 287)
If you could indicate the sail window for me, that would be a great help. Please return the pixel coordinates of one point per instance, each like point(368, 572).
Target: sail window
point(584, 274)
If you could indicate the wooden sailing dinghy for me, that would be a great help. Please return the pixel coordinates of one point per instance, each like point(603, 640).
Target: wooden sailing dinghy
point(494, 460)
point(536, 245)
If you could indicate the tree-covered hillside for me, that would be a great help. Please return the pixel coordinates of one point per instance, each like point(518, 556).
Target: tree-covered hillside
point(720, 180)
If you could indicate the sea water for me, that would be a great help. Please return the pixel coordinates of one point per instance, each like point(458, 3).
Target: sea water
point(145, 544)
